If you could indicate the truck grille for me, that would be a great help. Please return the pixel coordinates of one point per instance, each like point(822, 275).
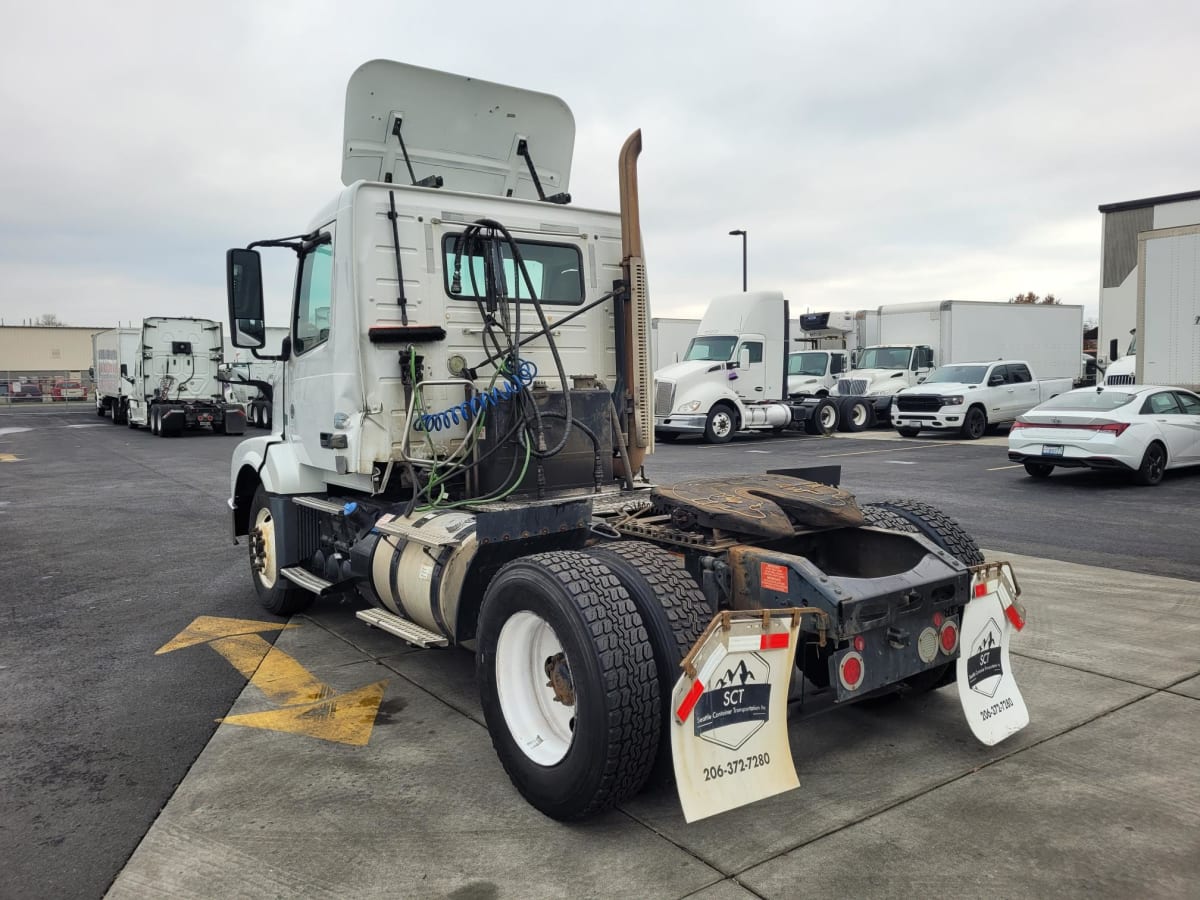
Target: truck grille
point(848, 387)
point(918, 404)
point(1119, 379)
point(664, 397)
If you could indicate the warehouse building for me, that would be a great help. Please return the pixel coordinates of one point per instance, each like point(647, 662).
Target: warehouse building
point(34, 359)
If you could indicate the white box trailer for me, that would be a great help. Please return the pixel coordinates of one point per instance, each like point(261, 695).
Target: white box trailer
point(113, 355)
point(1168, 307)
point(669, 340)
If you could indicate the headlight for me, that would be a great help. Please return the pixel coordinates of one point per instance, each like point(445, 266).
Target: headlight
point(956, 400)
point(689, 407)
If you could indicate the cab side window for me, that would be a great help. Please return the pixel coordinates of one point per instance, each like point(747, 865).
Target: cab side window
point(1019, 374)
point(755, 349)
point(314, 301)
point(836, 366)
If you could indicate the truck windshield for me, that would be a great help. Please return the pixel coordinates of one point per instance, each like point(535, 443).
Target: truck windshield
point(807, 363)
point(884, 358)
point(957, 375)
point(714, 347)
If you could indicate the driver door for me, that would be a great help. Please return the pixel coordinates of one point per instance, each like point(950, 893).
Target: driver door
point(751, 381)
point(310, 386)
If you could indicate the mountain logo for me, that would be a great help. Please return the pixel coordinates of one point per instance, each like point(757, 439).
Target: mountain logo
point(984, 668)
point(736, 705)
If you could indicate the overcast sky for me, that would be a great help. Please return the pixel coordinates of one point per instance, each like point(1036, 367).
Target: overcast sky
point(875, 152)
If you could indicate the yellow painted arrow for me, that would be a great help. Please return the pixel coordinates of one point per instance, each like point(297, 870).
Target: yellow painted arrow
point(308, 706)
point(9, 457)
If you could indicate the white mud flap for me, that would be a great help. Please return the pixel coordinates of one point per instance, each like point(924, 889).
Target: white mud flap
point(729, 738)
point(990, 698)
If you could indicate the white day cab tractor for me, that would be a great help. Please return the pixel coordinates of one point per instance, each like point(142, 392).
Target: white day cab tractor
point(463, 420)
point(174, 385)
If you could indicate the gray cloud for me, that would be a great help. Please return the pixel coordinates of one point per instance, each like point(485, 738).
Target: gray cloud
point(875, 152)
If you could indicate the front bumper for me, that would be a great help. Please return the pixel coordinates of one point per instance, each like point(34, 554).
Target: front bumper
point(681, 424)
point(927, 420)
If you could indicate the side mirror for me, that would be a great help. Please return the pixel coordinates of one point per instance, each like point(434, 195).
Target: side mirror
point(744, 358)
point(1112, 350)
point(124, 369)
point(247, 322)
point(92, 372)
point(995, 380)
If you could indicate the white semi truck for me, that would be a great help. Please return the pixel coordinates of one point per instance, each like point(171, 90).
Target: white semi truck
point(250, 381)
point(738, 374)
point(174, 383)
point(465, 417)
point(916, 337)
point(114, 355)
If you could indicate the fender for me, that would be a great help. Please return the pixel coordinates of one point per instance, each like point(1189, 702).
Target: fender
point(271, 462)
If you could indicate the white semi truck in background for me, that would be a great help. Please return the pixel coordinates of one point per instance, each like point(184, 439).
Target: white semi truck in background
point(739, 374)
point(468, 413)
point(174, 379)
point(916, 337)
point(114, 353)
point(250, 381)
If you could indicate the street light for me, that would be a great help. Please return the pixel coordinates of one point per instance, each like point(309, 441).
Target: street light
point(736, 232)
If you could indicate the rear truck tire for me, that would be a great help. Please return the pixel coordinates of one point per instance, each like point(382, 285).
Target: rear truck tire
point(674, 611)
point(155, 420)
point(276, 594)
point(252, 416)
point(909, 432)
point(568, 683)
point(100, 413)
point(858, 416)
point(938, 527)
point(824, 418)
point(885, 518)
point(667, 437)
point(1153, 467)
point(265, 419)
point(218, 427)
point(721, 424)
point(975, 424)
point(1038, 470)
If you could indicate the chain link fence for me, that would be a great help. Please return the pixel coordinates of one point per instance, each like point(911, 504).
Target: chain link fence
point(64, 388)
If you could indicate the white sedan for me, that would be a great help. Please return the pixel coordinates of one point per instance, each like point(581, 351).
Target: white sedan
point(1139, 428)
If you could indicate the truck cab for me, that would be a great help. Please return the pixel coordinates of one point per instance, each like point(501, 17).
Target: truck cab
point(880, 371)
point(812, 373)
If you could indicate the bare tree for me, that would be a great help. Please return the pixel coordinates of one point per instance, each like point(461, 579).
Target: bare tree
point(1031, 297)
point(49, 320)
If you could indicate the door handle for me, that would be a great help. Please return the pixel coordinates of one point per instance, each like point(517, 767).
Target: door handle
point(758, 389)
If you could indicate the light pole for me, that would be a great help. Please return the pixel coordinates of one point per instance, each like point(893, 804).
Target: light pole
point(736, 232)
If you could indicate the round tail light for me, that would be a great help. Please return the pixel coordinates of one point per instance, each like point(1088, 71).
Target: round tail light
point(850, 670)
point(949, 636)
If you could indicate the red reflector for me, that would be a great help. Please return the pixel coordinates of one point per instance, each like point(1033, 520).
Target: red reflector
point(980, 589)
point(851, 670)
point(937, 620)
point(949, 637)
point(1014, 616)
point(774, 641)
point(859, 643)
point(689, 702)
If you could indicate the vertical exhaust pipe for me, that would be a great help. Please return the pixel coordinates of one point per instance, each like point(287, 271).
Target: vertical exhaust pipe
point(637, 377)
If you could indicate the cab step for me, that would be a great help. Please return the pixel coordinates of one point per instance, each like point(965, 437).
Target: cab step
point(325, 506)
point(307, 580)
point(407, 631)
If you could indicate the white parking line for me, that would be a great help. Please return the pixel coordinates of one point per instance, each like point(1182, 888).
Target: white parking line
point(894, 449)
point(1002, 468)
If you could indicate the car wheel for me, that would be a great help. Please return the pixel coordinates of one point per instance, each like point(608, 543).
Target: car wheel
point(909, 432)
point(975, 424)
point(1154, 464)
point(568, 683)
point(721, 424)
point(1038, 470)
point(275, 593)
point(674, 611)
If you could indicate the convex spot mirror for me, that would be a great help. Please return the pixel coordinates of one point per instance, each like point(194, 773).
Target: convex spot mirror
point(247, 323)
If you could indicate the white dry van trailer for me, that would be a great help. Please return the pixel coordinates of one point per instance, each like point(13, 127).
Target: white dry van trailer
point(251, 381)
point(669, 340)
point(175, 379)
point(1168, 308)
point(468, 395)
point(915, 337)
point(113, 360)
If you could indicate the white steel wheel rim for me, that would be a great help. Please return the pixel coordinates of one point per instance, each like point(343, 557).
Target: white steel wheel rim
point(722, 423)
point(828, 417)
point(859, 414)
point(540, 725)
point(264, 524)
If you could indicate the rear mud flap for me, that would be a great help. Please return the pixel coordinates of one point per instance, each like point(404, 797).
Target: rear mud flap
point(987, 686)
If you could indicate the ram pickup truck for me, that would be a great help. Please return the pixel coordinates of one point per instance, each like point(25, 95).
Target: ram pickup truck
point(971, 397)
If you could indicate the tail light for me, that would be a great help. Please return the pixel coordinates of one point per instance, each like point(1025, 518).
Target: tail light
point(949, 637)
point(850, 670)
point(1114, 428)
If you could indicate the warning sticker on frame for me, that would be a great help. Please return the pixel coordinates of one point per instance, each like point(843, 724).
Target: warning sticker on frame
point(729, 736)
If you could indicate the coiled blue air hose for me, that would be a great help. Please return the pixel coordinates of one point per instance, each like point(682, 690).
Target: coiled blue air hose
point(510, 385)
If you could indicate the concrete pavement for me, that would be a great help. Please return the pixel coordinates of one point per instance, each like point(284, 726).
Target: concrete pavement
point(1098, 797)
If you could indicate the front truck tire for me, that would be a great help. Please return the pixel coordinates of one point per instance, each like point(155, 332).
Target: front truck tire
point(275, 593)
point(721, 424)
point(674, 611)
point(568, 683)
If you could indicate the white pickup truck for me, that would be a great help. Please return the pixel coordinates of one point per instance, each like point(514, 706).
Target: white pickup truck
point(970, 397)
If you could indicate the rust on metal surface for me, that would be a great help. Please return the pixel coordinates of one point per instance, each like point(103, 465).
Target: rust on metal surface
point(769, 506)
point(724, 621)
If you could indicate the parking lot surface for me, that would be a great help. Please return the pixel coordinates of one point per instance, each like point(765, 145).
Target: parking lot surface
point(385, 783)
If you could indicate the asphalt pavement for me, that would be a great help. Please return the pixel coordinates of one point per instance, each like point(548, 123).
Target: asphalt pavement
point(115, 547)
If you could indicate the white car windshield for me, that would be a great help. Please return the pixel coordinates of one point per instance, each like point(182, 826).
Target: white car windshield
point(1088, 401)
point(957, 375)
